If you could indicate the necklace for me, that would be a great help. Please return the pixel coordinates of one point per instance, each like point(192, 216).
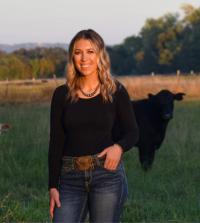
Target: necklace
point(90, 94)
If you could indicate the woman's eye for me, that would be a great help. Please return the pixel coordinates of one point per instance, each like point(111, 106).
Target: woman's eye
point(76, 52)
point(90, 51)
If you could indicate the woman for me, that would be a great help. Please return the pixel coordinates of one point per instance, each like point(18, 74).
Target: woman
point(86, 172)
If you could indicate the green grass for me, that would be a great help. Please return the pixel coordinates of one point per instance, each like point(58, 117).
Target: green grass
point(169, 192)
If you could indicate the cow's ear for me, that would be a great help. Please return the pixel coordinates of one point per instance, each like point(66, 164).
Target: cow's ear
point(150, 95)
point(179, 96)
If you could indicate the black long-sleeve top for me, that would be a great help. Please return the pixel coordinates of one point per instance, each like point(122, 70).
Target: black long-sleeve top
point(85, 127)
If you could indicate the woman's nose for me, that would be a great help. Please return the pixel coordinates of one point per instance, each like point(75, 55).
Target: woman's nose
point(84, 57)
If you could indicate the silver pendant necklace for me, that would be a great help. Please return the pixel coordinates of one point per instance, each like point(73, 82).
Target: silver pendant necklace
point(90, 94)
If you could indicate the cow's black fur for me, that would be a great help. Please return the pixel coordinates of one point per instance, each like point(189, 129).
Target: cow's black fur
point(152, 115)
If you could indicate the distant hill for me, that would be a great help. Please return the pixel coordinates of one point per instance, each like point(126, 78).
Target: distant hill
point(10, 48)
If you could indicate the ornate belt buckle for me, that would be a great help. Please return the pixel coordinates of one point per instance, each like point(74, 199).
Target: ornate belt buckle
point(84, 163)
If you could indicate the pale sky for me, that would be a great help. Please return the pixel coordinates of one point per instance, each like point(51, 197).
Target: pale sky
point(53, 21)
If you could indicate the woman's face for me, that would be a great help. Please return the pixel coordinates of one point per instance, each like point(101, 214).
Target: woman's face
point(85, 57)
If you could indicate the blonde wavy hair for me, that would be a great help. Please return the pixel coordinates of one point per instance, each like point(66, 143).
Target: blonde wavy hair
point(107, 82)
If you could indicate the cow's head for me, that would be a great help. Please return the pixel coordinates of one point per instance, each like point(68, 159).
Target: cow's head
point(164, 102)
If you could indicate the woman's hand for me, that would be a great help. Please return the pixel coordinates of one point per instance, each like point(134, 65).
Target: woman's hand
point(54, 199)
point(113, 155)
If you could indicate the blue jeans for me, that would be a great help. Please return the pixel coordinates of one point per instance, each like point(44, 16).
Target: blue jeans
point(99, 192)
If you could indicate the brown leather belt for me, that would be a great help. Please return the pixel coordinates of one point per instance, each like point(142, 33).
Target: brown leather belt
point(82, 162)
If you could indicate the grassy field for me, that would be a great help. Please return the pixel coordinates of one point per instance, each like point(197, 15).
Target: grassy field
point(170, 192)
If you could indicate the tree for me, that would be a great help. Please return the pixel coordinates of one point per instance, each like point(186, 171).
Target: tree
point(47, 68)
point(122, 60)
point(35, 66)
point(13, 67)
point(189, 56)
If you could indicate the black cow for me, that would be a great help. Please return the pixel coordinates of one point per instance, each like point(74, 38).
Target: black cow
point(153, 115)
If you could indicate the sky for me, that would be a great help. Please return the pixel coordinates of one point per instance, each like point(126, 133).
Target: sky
point(57, 21)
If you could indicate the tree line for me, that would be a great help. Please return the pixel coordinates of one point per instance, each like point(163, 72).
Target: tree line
point(33, 63)
point(164, 45)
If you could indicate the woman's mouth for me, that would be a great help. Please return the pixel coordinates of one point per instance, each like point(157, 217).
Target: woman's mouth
point(85, 65)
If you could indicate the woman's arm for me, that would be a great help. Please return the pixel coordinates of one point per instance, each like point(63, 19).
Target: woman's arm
point(125, 130)
point(125, 120)
point(57, 137)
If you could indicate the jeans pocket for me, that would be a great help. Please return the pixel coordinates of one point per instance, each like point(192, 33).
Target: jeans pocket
point(118, 168)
